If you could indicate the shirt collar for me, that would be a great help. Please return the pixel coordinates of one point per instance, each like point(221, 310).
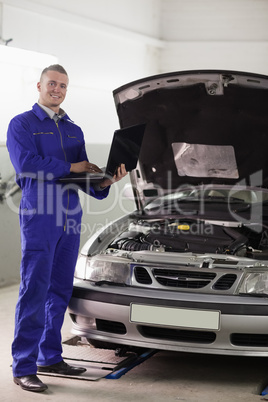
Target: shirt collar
point(51, 112)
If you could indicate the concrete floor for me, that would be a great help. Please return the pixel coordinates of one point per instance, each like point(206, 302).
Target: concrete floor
point(166, 376)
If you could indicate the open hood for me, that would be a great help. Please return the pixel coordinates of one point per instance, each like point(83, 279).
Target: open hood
point(202, 128)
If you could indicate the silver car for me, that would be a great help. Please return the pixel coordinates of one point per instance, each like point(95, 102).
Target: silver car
point(188, 270)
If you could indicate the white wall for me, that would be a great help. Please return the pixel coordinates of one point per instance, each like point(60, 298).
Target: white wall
point(108, 43)
point(214, 34)
point(19, 72)
point(102, 45)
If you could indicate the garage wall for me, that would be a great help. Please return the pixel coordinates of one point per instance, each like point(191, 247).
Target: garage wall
point(102, 45)
point(214, 34)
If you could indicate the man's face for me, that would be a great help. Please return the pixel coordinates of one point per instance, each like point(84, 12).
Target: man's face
point(52, 89)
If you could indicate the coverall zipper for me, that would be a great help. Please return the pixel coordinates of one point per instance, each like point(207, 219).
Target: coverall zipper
point(65, 157)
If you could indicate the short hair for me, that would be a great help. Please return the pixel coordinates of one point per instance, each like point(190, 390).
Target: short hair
point(54, 67)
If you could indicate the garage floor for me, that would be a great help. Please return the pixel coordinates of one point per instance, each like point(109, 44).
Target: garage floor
point(166, 376)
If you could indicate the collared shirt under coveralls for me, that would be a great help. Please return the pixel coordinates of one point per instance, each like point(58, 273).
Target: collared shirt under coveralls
point(41, 151)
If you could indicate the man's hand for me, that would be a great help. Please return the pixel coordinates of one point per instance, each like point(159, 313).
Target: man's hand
point(120, 173)
point(84, 166)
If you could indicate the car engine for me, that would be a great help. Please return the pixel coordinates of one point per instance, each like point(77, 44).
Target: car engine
point(194, 236)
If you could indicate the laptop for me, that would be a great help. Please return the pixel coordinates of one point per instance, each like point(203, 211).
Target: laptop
point(125, 148)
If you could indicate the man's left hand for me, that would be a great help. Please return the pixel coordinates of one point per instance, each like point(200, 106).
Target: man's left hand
point(120, 173)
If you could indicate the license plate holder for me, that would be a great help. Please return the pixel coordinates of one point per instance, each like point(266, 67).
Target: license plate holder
point(175, 317)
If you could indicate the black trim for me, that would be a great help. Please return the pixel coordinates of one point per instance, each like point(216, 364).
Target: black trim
point(126, 300)
point(250, 340)
point(175, 334)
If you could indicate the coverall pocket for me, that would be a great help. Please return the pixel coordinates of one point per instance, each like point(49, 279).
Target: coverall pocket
point(73, 137)
point(28, 210)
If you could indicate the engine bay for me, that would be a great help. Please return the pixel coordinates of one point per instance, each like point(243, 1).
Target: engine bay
point(195, 236)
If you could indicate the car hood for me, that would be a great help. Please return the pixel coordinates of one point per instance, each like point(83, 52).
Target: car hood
point(202, 128)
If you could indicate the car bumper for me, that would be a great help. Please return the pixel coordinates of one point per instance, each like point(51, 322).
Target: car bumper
point(106, 314)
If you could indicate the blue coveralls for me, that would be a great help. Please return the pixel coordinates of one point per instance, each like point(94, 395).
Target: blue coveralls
point(41, 152)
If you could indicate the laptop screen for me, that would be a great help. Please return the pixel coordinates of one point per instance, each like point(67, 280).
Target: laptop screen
point(125, 148)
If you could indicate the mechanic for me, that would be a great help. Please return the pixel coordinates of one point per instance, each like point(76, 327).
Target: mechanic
point(45, 145)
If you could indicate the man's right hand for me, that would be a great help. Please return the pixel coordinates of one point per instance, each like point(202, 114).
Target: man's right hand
point(84, 166)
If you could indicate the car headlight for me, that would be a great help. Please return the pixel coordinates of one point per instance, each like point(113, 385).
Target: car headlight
point(80, 268)
point(255, 283)
point(108, 269)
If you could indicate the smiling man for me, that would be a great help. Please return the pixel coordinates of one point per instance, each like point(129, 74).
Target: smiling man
point(45, 145)
point(53, 88)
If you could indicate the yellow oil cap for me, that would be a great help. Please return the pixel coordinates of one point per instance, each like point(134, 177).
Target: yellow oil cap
point(183, 227)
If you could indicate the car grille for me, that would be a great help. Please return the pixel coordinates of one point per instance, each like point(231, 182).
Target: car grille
point(180, 335)
point(225, 282)
point(142, 276)
point(185, 279)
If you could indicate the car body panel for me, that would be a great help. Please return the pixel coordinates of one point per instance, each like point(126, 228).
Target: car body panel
point(233, 321)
